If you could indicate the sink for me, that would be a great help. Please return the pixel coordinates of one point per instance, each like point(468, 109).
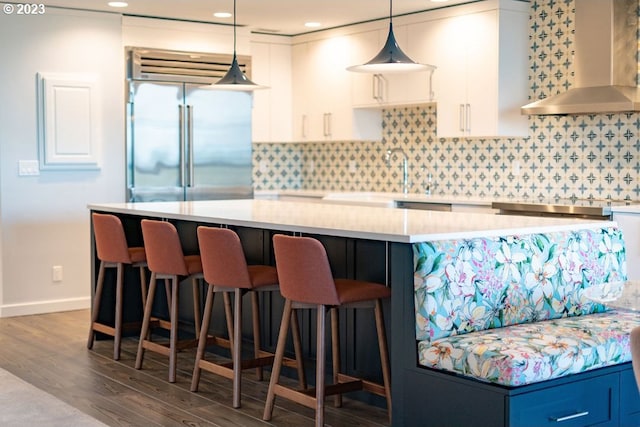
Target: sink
point(364, 198)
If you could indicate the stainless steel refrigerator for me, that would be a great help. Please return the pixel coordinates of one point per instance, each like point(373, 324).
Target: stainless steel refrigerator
point(187, 142)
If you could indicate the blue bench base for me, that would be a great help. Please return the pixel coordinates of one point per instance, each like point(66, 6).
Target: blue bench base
point(605, 397)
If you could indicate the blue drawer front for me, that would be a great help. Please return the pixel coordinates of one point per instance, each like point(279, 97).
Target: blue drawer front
point(629, 400)
point(583, 403)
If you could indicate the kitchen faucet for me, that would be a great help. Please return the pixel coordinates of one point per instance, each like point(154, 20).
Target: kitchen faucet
point(405, 166)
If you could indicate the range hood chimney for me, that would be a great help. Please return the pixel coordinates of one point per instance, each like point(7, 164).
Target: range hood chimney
point(605, 62)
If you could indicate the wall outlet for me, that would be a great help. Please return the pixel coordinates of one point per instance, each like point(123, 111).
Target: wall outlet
point(353, 166)
point(28, 168)
point(263, 166)
point(56, 273)
point(516, 168)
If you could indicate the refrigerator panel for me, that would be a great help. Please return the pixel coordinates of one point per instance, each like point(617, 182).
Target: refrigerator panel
point(218, 156)
point(156, 141)
point(156, 194)
point(219, 192)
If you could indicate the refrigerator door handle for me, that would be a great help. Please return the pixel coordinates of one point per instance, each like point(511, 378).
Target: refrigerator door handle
point(190, 142)
point(182, 143)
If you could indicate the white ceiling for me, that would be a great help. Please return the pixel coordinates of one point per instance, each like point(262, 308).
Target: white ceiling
point(285, 17)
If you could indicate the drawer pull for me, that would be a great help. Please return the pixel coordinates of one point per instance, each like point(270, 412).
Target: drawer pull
point(570, 417)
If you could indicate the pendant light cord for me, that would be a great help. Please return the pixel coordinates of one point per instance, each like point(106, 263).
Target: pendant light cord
point(390, 11)
point(234, 28)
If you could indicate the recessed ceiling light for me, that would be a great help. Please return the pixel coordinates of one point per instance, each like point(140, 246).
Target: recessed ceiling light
point(118, 4)
point(312, 24)
point(222, 15)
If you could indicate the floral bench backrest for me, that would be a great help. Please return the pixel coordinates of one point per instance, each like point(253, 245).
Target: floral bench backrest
point(463, 286)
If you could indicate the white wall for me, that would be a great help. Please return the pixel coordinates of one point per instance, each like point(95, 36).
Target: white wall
point(45, 221)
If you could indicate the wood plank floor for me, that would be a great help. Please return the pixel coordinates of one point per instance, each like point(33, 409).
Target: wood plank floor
point(49, 351)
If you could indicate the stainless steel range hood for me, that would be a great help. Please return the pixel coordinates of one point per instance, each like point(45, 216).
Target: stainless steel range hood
point(605, 62)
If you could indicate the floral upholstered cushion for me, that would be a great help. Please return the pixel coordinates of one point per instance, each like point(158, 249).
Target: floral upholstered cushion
point(532, 352)
point(462, 286)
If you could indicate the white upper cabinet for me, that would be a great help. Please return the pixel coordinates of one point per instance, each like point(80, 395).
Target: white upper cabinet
point(481, 80)
point(271, 66)
point(479, 84)
point(374, 90)
point(322, 109)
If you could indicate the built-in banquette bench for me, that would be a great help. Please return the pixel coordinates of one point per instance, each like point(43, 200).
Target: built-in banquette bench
point(506, 335)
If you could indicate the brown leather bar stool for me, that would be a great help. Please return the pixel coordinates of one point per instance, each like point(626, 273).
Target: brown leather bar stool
point(306, 282)
point(113, 252)
point(226, 270)
point(167, 262)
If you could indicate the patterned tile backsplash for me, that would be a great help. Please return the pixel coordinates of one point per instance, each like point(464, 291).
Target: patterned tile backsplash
point(584, 156)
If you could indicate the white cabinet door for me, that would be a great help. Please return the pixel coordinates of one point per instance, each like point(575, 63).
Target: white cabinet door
point(374, 90)
point(629, 223)
point(301, 89)
point(367, 90)
point(321, 83)
point(271, 66)
point(454, 60)
point(481, 77)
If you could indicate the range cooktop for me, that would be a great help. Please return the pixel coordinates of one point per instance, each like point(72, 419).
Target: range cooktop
point(585, 208)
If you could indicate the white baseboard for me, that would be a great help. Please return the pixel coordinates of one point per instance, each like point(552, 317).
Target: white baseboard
point(41, 307)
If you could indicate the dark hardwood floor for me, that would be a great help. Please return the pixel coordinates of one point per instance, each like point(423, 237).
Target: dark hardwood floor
point(49, 351)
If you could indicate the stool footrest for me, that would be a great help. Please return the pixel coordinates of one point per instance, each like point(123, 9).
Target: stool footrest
point(163, 347)
point(251, 363)
point(307, 397)
point(110, 330)
point(105, 329)
point(369, 386)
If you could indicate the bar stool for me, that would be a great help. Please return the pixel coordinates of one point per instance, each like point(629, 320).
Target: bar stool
point(226, 270)
point(167, 262)
point(306, 282)
point(113, 252)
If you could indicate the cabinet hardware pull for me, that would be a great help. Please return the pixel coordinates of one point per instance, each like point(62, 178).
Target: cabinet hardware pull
point(327, 124)
point(468, 117)
point(304, 125)
point(570, 417)
point(461, 118)
point(375, 86)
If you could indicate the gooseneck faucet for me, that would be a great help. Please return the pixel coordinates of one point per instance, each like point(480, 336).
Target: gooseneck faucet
point(405, 166)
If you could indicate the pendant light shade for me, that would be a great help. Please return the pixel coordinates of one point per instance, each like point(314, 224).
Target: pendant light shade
point(391, 59)
point(235, 79)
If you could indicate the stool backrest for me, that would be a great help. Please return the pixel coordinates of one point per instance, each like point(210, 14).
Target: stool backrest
point(223, 260)
point(111, 243)
point(304, 272)
point(163, 247)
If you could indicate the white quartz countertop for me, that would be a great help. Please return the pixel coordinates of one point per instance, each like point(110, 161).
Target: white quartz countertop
point(373, 198)
point(363, 222)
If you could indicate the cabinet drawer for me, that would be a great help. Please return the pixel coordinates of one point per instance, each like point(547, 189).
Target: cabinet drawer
point(629, 400)
point(582, 403)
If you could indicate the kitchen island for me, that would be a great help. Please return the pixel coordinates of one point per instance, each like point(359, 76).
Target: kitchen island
point(369, 243)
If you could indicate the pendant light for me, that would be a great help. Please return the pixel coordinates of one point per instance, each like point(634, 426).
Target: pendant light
point(235, 79)
point(391, 58)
